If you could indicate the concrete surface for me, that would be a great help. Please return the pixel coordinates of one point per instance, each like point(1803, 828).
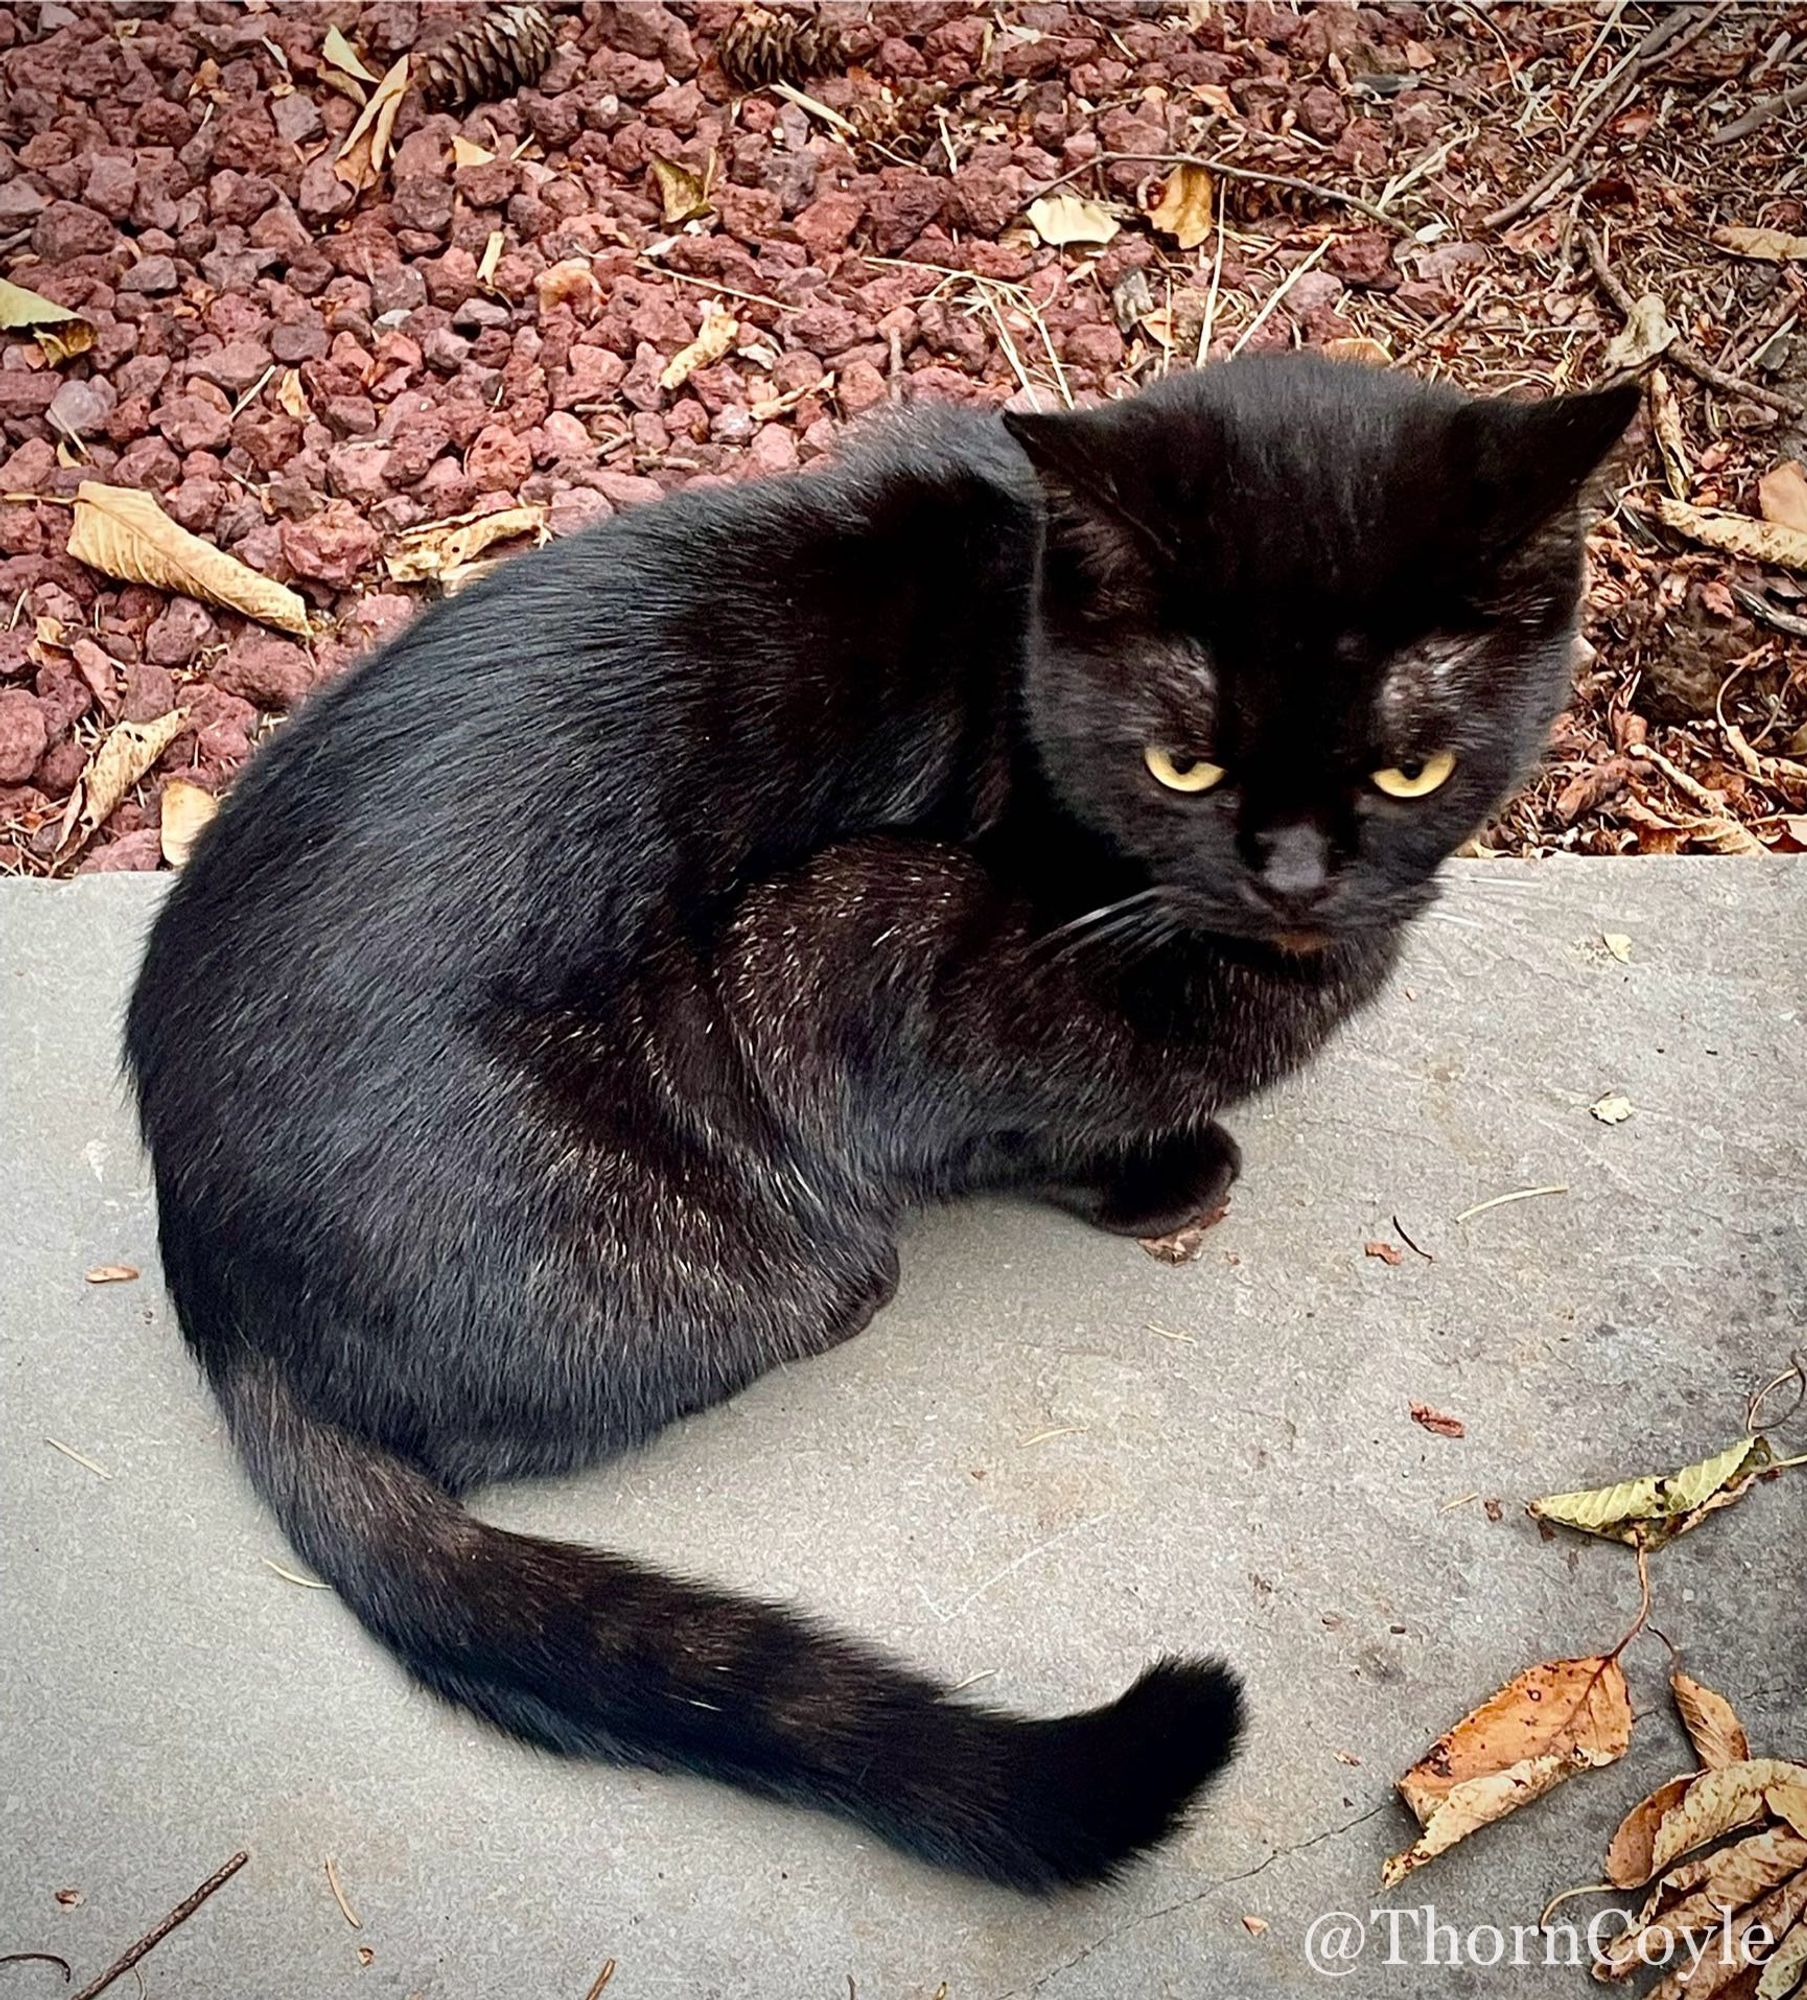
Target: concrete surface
point(1049, 1459)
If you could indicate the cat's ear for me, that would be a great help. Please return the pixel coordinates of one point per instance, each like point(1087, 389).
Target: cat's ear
point(1532, 459)
point(1093, 509)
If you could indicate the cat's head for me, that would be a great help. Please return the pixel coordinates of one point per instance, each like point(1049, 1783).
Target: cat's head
point(1303, 626)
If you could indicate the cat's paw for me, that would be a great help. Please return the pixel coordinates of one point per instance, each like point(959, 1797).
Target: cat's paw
point(1169, 1191)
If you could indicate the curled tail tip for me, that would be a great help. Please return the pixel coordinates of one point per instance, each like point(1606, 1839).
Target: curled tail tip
point(1106, 1786)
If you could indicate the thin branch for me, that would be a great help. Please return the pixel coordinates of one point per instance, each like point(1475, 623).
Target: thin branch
point(1673, 27)
point(1231, 172)
point(1759, 114)
point(1682, 352)
point(154, 1937)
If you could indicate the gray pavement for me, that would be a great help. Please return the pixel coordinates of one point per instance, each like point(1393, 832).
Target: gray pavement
point(1049, 1459)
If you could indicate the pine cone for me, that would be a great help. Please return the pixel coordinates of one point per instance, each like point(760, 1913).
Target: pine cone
point(504, 52)
point(762, 47)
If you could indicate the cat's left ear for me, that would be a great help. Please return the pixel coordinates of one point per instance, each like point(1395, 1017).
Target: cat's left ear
point(1534, 458)
point(1077, 458)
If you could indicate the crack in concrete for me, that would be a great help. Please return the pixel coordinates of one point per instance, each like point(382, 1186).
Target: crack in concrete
point(1186, 1902)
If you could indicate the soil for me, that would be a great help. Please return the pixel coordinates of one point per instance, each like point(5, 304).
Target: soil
point(303, 370)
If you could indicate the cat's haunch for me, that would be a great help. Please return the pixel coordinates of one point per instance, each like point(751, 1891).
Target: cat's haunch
point(550, 1033)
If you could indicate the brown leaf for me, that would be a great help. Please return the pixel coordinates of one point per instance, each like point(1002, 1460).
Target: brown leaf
point(1789, 1802)
point(1736, 534)
point(1666, 424)
point(440, 549)
point(1184, 1245)
point(1184, 210)
point(1696, 1898)
point(1628, 1856)
point(124, 533)
point(1386, 1252)
point(366, 148)
point(683, 192)
point(1717, 1803)
point(62, 343)
point(492, 256)
point(1647, 332)
point(293, 397)
point(1725, 1968)
point(1356, 347)
point(340, 53)
point(1782, 495)
point(467, 153)
point(719, 331)
point(1439, 1421)
point(111, 1274)
point(1768, 246)
point(1711, 1722)
point(185, 811)
point(1551, 1721)
point(1255, 1926)
point(127, 751)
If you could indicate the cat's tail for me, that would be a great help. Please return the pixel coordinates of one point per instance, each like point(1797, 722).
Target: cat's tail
point(588, 1653)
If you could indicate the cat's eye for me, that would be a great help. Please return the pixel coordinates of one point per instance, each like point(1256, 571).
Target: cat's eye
point(1418, 778)
point(1181, 774)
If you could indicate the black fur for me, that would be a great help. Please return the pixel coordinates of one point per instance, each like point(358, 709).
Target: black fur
point(548, 1036)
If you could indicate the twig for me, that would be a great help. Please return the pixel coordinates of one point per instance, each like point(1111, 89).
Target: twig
point(1674, 24)
point(1409, 1244)
point(154, 1937)
point(345, 1910)
point(1276, 295)
point(1691, 789)
point(1681, 352)
point(69, 1451)
point(1643, 1617)
point(1795, 1372)
point(1760, 113)
point(1231, 172)
point(602, 1979)
point(1208, 325)
point(1518, 1194)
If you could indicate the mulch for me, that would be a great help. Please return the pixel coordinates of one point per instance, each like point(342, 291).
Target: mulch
point(304, 371)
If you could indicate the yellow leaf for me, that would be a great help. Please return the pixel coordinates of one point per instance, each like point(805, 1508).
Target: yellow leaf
point(1184, 209)
point(293, 397)
point(440, 549)
point(127, 751)
point(1789, 1802)
point(1356, 347)
point(1618, 944)
point(717, 334)
point(1064, 218)
point(467, 153)
point(346, 86)
point(683, 192)
point(186, 810)
point(124, 533)
point(1551, 1721)
point(1768, 246)
point(20, 308)
point(340, 53)
point(1612, 1110)
point(361, 158)
point(62, 343)
point(1719, 1802)
point(1736, 534)
point(1782, 495)
point(1711, 1722)
point(492, 256)
point(1651, 1511)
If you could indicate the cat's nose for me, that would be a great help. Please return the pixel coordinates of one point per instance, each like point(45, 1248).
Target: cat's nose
point(1292, 865)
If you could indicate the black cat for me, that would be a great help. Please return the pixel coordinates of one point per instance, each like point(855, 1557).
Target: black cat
point(551, 1031)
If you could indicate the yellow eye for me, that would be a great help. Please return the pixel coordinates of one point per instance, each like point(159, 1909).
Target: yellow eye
point(1181, 774)
point(1416, 780)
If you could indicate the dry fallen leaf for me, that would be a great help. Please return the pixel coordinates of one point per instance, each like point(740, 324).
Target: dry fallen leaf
point(1356, 347)
point(1255, 1926)
point(1768, 246)
point(1786, 1968)
point(126, 752)
point(1612, 1110)
point(340, 53)
point(441, 549)
point(1187, 1243)
point(1782, 495)
point(1653, 1510)
point(467, 153)
point(293, 397)
point(1731, 1878)
point(1672, 444)
point(683, 192)
point(124, 533)
point(718, 333)
point(1647, 332)
point(111, 1274)
point(1551, 1721)
point(1736, 534)
point(492, 256)
point(1618, 944)
point(1711, 1722)
point(1628, 1856)
point(366, 149)
point(23, 311)
point(186, 809)
point(1439, 1421)
point(1184, 210)
point(1789, 1802)
point(1065, 218)
point(1720, 1802)
point(1386, 1252)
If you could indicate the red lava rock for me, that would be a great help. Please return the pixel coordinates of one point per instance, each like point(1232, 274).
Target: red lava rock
point(151, 276)
point(1365, 258)
point(331, 546)
point(860, 387)
point(193, 423)
point(23, 735)
point(149, 692)
point(575, 508)
point(498, 458)
point(273, 673)
point(177, 634)
point(67, 230)
point(135, 853)
point(1323, 113)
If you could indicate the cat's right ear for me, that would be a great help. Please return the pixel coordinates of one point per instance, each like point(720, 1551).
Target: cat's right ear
point(1112, 531)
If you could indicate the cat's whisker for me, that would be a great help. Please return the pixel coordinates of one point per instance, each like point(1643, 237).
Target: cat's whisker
point(1103, 914)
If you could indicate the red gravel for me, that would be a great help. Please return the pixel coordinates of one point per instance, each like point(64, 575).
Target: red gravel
point(167, 170)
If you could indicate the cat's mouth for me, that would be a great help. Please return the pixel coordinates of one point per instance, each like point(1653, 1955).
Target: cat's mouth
point(1300, 944)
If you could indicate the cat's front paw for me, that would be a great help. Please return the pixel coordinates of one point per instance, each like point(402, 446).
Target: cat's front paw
point(1172, 1190)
